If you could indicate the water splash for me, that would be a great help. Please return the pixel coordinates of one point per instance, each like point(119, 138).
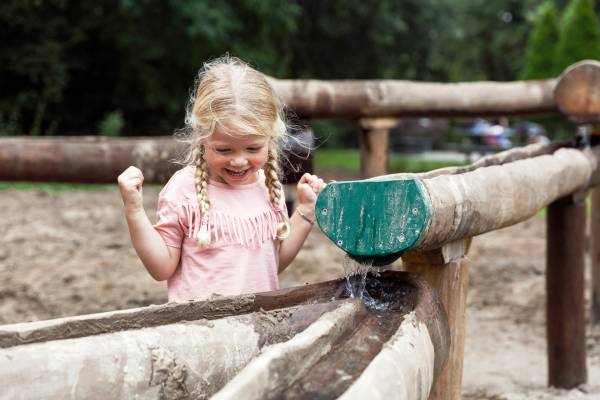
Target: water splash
point(362, 282)
point(356, 276)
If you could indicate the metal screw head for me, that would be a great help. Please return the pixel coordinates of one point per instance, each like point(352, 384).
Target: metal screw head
point(340, 242)
point(415, 211)
point(324, 211)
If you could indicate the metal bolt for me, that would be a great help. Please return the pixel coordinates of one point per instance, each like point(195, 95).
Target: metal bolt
point(340, 242)
point(324, 211)
point(415, 211)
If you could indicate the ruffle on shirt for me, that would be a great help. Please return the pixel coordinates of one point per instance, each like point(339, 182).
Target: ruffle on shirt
point(250, 232)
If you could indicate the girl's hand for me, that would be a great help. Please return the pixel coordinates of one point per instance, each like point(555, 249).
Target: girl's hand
point(309, 187)
point(130, 185)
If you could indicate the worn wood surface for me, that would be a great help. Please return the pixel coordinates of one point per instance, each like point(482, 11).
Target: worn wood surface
point(490, 198)
point(314, 341)
point(450, 279)
point(93, 159)
point(565, 288)
point(577, 93)
point(146, 317)
point(144, 363)
point(85, 159)
point(374, 150)
point(504, 157)
point(394, 98)
point(463, 204)
point(595, 254)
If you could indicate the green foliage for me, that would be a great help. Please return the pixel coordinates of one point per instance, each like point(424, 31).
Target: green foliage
point(540, 56)
point(482, 39)
point(65, 66)
point(579, 34)
point(111, 124)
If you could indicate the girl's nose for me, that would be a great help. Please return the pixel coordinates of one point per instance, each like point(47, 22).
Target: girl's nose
point(238, 161)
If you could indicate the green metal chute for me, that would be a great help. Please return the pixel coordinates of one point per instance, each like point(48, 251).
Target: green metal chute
point(374, 221)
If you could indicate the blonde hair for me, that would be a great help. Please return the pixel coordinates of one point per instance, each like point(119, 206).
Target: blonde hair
point(237, 99)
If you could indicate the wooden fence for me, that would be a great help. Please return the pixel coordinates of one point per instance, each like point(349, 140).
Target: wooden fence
point(494, 192)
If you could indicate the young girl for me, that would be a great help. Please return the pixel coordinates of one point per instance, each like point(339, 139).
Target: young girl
point(222, 224)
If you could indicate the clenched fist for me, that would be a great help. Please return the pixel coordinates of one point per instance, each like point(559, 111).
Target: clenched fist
point(308, 188)
point(130, 185)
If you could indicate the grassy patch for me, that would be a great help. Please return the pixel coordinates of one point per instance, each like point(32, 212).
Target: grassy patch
point(349, 159)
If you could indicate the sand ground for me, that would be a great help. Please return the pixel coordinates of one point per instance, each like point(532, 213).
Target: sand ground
point(68, 253)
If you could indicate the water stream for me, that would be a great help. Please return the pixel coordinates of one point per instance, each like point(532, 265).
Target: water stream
point(357, 276)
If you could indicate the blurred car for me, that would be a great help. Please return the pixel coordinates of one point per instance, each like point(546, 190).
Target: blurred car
point(489, 136)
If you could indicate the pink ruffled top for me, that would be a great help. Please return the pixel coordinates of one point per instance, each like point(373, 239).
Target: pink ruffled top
point(244, 253)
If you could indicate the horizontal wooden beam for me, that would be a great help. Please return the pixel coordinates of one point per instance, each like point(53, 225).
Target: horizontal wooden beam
point(86, 159)
point(494, 197)
point(94, 159)
point(396, 98)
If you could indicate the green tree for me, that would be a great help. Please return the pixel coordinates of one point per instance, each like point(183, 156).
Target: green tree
point(483, 39)
point(540, 56)
point(579, 34)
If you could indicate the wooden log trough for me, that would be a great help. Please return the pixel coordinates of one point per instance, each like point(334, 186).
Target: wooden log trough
point(298, 343)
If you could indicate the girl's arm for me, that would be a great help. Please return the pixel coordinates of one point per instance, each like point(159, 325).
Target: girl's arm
point(159, 259)
point(302, 220)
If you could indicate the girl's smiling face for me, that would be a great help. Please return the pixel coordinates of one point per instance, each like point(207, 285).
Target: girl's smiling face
point(235, 160)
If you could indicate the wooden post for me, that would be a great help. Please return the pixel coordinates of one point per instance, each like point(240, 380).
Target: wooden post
point(565, 306)
point(374, 138)
point(447, 271)
point(595, 243)
point(595, 254)
point(577, 95)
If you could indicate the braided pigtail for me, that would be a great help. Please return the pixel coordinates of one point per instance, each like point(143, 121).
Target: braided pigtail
point(203, 237)
point(276, 191)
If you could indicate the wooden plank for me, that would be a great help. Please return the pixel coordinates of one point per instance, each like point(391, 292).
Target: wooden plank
point(450, 279)
point(565, 305)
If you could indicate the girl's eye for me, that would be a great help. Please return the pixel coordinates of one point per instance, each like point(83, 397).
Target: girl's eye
point(254, 149)
point(221, 150)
